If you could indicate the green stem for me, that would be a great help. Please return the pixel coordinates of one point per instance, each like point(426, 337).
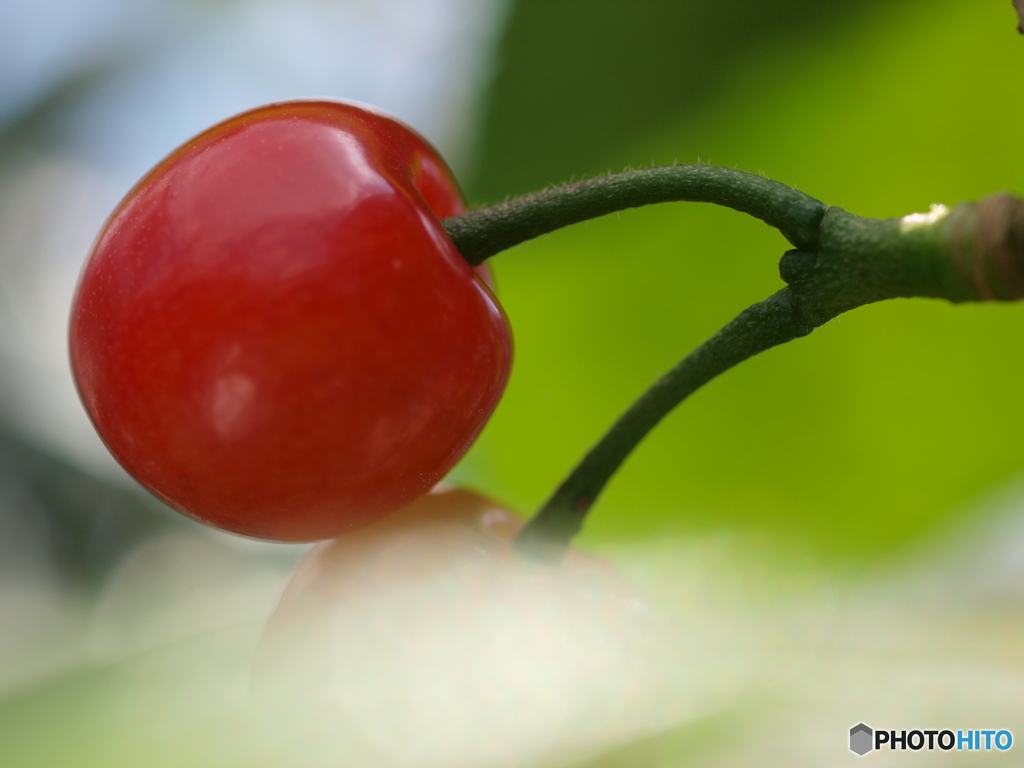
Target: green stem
point(482, 233)
point(759, 327)
point(973, 253)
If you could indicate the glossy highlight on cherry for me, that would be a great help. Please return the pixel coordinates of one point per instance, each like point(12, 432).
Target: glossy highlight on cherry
point(274, 334)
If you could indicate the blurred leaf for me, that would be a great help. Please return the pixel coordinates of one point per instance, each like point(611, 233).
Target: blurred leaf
point(579, 81)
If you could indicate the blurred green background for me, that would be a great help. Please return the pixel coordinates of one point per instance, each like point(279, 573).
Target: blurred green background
point(881, 427)
point(853, 445)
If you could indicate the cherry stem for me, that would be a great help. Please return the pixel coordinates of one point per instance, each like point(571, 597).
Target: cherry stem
point(484, 232)
point(759, 327)
point(974, 252)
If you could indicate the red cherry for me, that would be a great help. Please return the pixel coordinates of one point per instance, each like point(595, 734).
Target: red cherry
point(427, 635)
point(273, 332)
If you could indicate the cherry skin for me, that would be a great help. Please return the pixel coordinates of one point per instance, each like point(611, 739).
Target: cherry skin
point(274, 334)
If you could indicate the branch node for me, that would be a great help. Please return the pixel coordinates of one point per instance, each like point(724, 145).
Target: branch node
point(987, 244)
point(797, 265)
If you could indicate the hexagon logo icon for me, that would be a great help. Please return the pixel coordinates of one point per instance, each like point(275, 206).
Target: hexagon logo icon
point(861, 739)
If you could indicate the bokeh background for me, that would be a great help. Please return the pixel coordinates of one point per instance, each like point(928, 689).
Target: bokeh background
point(888, 429)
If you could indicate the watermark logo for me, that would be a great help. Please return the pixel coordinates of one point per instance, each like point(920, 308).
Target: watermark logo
point(864, 739)
point(861, 739)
